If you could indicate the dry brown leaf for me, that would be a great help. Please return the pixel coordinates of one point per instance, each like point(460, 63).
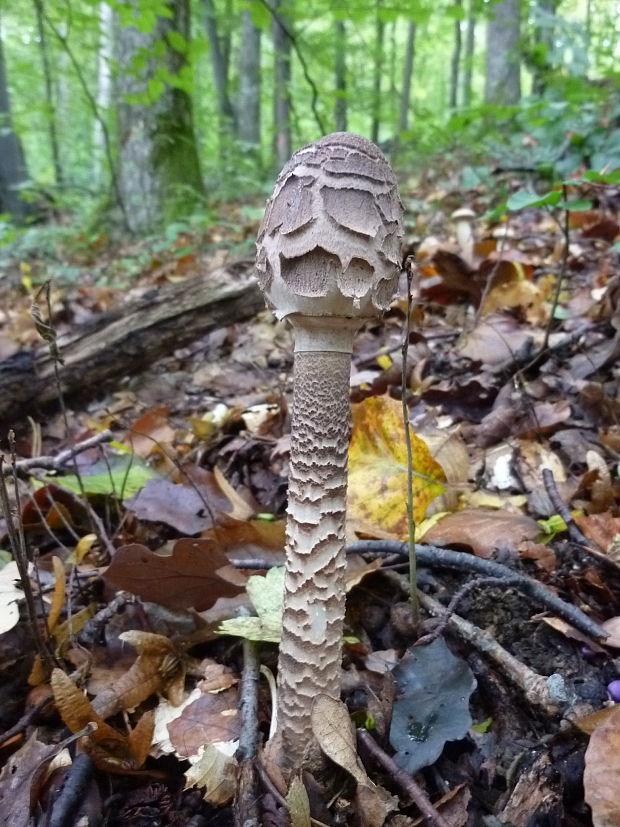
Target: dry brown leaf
point(21, 780)
point(212, 717)
point(151, 433)
point(485, 532)
point(612, 627)
point(452, 806)
point(590, 722)
point(374, 804)
point(333, 729)
point(601, 778)
point(190, 577)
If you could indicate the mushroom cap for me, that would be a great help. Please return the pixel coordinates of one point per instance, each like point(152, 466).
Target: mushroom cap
point(330, 240)
point(463, 213)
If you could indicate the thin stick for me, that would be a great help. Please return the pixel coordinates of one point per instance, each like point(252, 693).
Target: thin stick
point(56, 463)
point(403, 779)
point(534, 686)
point(563, 510)
point(443, 558)
point(413, 591)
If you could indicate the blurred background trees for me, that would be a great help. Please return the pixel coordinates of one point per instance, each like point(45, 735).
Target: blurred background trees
point(140, 112)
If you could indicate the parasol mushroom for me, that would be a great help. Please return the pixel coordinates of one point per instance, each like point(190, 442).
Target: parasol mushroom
point(329, 252)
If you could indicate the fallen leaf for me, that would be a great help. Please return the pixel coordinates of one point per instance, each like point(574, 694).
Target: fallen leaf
point(151, 433)
point(21, 780)
point(122, 477)
point(216, 769)
point(190, 577)
point(377, 490)
point(487, 533)
point(10, 596)
point(211, 717)
point(432, 704)
point(298, 804)
point(267, 596)
point(601, 777)
point(334, 731)
point(496, 341)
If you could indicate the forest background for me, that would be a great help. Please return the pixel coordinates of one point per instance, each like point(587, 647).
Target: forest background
point(143, 116)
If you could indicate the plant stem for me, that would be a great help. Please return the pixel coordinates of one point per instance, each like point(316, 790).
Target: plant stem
point(413, 592)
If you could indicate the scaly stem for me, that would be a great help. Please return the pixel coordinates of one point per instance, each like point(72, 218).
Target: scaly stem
point(314, 598)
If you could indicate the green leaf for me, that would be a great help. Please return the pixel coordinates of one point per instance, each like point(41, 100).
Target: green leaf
point(575, 206)
point(177, 41)
point(267, 596)
point(522, 199)
point(483, 726)
point(120, 476)
point(602, 177)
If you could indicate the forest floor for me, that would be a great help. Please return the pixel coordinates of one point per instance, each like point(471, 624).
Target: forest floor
point(138, 544)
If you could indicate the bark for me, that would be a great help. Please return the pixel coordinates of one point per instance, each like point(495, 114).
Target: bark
point(248, 109)
point(405, 97)
point(378, 73)
point(503, 64)
point(340, 76)
point(13, 173)
point(124, 341)
point(455, 63)
point(104, 87)
point(282, 81)
point(159, 170)
point(219, 64)
point(49, 93)
point(470, 48)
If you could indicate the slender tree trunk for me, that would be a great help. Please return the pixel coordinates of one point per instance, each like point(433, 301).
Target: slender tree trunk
point(104, 88)
point(282, 82)
point(503, 65)
point(378, 73)
point(13, 173)
point(49, 93)
point(470, 48)
point(544, 32)
point(340, 75)
point(455, 63)
point(159, 171)
point(219, 63)
point(405, 97)
point(248, 109)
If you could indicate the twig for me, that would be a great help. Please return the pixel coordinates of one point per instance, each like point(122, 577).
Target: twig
point(26, 719)
point(245, 805)
point(403, 779)
point(304, 66)
point(434, 557)
point(73, 792)
point(55, 463)
point(563, 510)
point(456, 599)
point(565, 229)
point(534, 686)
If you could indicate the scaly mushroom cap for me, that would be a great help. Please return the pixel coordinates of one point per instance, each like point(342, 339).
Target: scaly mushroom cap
point(330, 240)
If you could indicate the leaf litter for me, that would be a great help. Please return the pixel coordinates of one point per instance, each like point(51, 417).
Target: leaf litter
point(169, 540)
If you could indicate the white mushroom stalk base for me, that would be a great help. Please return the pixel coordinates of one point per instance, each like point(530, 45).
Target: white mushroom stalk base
point(310, 651)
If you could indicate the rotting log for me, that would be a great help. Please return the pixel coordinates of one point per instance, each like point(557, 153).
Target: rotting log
point(128, 339)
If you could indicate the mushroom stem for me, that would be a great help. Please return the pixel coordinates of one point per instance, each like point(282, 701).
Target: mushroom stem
point(310, 652)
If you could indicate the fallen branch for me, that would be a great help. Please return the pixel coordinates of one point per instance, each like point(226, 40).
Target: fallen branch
point(57, 462)
point(562, 509)
point(435, 557)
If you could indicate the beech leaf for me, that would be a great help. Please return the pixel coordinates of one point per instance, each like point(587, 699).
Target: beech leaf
point(217, 770)
point(432, 705)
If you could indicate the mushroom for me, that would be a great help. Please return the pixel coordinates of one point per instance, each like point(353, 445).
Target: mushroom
point(464, 221)
point(328, 258)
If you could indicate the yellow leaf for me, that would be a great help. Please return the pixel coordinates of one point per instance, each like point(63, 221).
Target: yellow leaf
point(82, 548)
point(377, 492)
point(384, 361)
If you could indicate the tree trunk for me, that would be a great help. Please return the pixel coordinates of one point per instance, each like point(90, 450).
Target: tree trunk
point(340, 75)
point(543, 39)
point(282, 82)
point(49, 93)
point(378, 73)
point(455, 63)
point(122, 342)
point(13, 173)
point(219, 63)
point(470, 47)
point(248, 109)
point(103, 97)
point(159, 170)
point(503, 69)
point(405, 97)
